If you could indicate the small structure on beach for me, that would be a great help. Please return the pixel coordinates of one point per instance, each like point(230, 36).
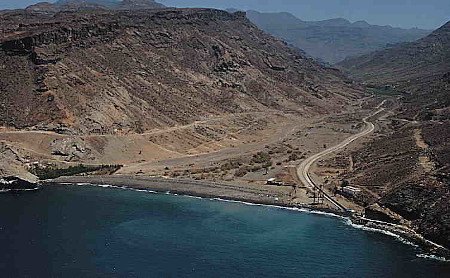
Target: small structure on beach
point(274, 181)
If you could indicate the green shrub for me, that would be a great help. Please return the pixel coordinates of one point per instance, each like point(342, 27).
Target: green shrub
point(241, 171)
point(52, 172)
point(261, 157)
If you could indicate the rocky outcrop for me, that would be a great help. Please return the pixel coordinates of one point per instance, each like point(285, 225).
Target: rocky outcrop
point(84, 36)
point(70, 149)
point(12, 183)
point(12, 163)
point(376, 212)
point(425, 205)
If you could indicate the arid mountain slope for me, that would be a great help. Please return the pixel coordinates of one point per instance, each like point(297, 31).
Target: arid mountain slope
point(408, 165)
point(420, 70)
point(418, 61)
point(121, 71)
point(332, 40)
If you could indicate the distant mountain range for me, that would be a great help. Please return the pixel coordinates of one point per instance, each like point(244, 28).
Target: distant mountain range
point(424, 59)
point(95, 4)
point(332, 40)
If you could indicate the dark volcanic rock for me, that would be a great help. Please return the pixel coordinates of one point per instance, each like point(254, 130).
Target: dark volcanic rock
point(428, 208)
point(15, 184)
point(376, 213)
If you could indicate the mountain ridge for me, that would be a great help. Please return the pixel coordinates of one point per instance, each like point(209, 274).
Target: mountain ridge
point(424, 59)
point(64, 5)
point(332, 40)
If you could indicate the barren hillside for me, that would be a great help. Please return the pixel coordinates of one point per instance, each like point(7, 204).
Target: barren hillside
point(418, 61)
point(99, 86)
point(407, 168)
point(120, 71)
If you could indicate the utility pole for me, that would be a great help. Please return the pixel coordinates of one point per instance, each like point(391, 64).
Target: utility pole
point(5, 108)
point(322, 195)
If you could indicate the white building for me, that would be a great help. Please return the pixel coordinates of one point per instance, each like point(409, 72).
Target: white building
point(351, 190)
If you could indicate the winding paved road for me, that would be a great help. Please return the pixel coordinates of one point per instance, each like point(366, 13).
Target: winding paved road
point(303, 170)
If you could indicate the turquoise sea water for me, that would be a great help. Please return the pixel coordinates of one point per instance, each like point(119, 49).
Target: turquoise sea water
point(72, 231)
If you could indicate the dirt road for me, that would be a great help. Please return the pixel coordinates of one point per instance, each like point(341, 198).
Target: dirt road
point(304, 167)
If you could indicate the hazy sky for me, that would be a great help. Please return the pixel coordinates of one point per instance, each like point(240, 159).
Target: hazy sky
point(428, 14)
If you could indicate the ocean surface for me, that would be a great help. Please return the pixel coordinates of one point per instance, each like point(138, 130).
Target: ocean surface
point(86, 231)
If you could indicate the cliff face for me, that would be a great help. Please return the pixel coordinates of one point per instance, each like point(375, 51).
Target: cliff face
point(104, 71)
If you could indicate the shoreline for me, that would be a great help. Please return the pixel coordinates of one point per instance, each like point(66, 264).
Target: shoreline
point(19, 190)
point(14, 184)
point(206, 190)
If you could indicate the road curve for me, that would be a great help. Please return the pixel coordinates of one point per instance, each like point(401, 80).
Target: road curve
point(304, 167)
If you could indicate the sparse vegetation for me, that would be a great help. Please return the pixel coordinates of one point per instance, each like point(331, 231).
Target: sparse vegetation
point(52, 172)
point(383, 90)
point(345, 183)
point(242, 171)
point(261, 158)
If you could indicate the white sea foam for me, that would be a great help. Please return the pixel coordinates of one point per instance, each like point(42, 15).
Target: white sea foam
point(305, 210)
point(83, 184)
point(432, 257)
point(194, 197)
point(379, 230)
point(124, 188)
point(145, 190)
point(3, 181)
point(329, 214)
point(106, 186)
point(110, 186)
point(28, 189)
point(18, 190)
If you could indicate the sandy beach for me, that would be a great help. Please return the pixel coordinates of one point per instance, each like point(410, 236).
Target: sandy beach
point(241, 192)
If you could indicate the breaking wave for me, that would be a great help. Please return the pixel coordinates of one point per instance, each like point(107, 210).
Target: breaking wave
point(432, 257)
